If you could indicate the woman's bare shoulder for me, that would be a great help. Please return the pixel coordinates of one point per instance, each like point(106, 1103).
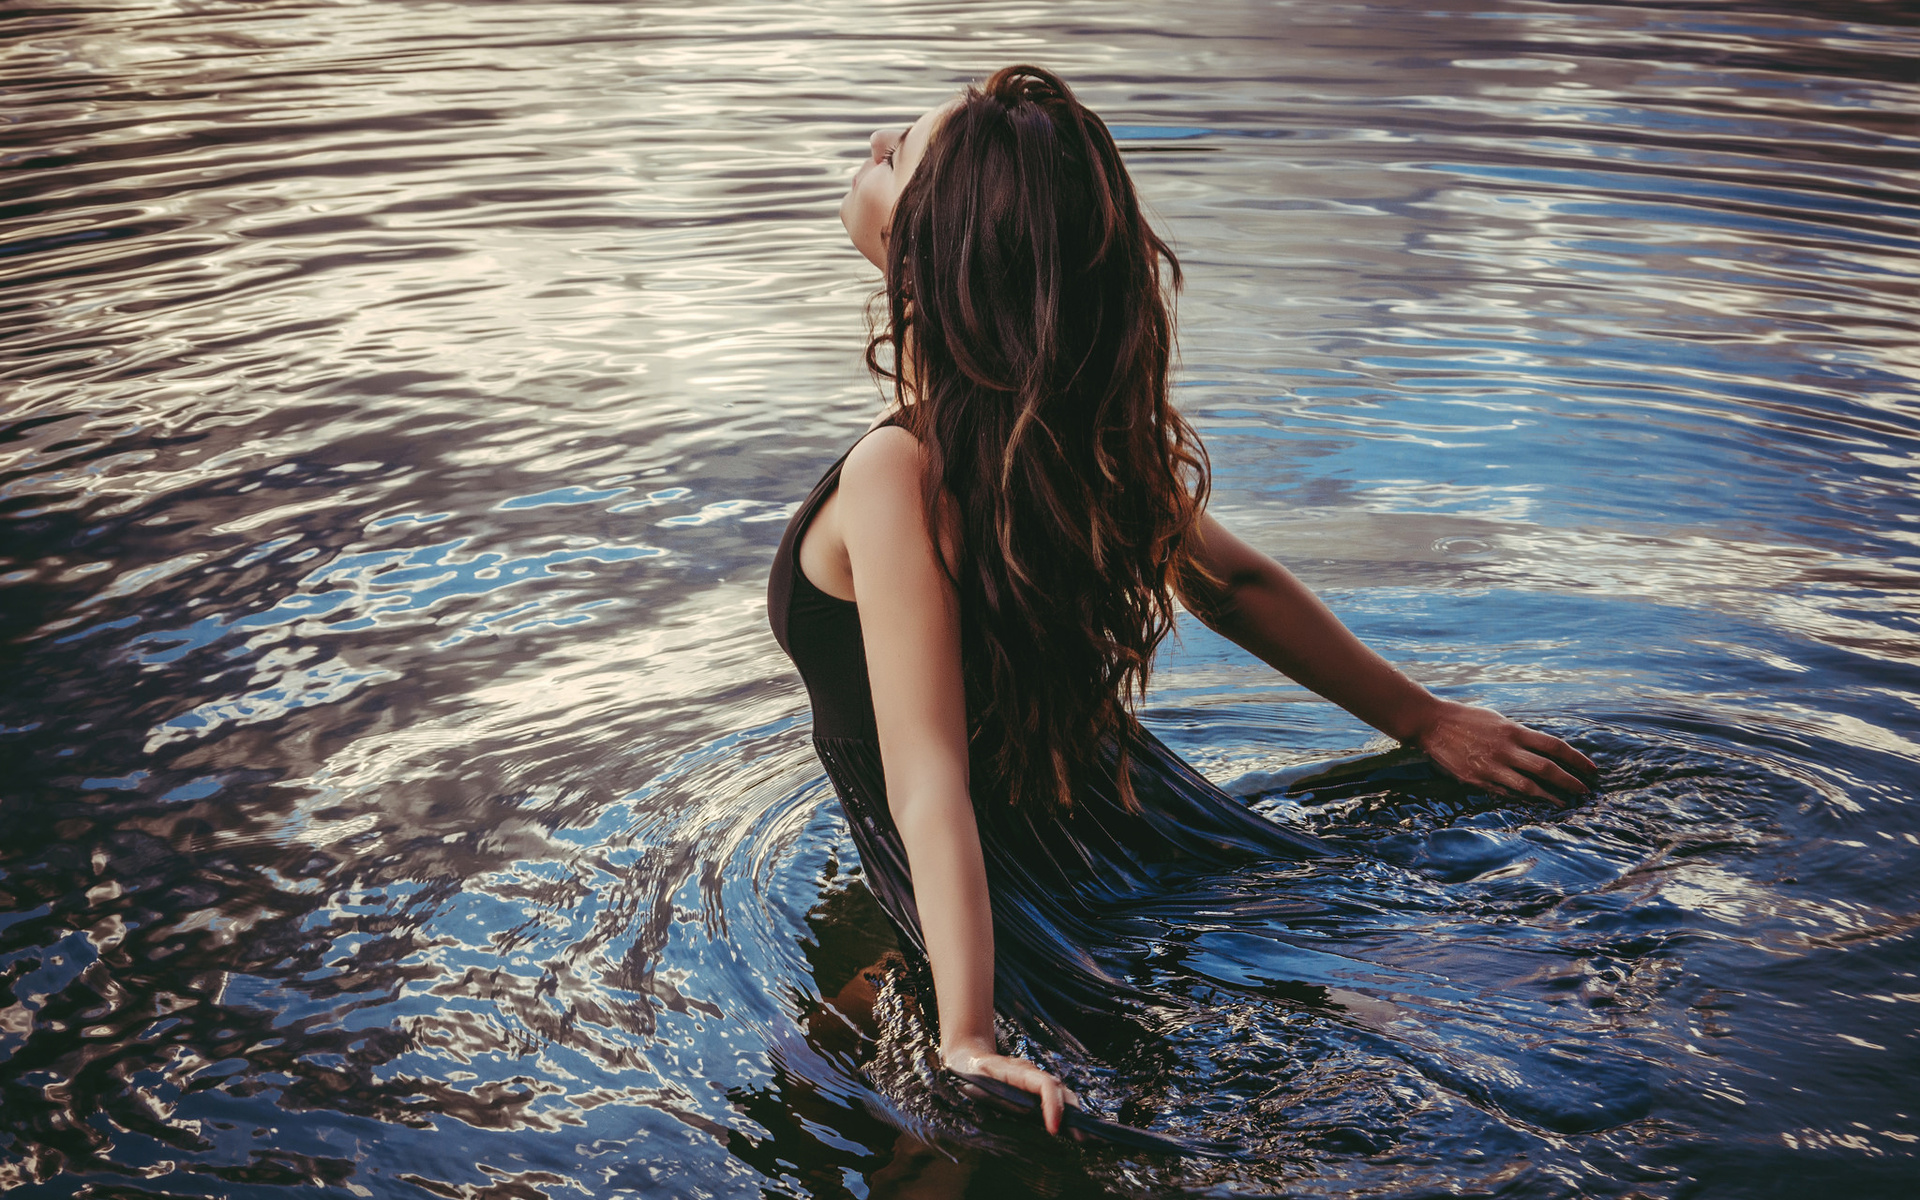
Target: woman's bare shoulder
point(884, 464)
point(883, 480)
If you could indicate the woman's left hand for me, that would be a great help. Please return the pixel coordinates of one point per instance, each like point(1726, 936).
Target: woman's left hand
point(1483, 749)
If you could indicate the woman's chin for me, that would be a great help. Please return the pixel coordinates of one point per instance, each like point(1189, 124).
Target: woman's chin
point(853, 238)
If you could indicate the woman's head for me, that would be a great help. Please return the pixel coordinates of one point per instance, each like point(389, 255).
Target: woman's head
point(1030, 330)
point(892, 155)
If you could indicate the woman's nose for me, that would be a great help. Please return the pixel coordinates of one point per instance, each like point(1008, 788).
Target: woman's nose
point(880, 143)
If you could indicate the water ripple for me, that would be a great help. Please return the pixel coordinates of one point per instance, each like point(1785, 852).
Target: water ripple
point(402, 402)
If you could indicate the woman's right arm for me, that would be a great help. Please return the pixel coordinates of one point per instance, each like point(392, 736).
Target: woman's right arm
point(910, 622)
point(1258, 603)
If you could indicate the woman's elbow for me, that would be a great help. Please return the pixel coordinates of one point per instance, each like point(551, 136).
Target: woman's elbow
point(932, 804)
point(1220, 602)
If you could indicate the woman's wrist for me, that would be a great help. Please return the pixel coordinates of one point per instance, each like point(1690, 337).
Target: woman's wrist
point(1415, 717)
point(961, 1051)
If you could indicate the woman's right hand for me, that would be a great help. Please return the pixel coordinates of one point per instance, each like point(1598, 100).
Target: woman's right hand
point(982, 1060)
point(1483, 749)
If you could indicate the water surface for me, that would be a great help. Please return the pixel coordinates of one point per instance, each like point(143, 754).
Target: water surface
point(403, 793)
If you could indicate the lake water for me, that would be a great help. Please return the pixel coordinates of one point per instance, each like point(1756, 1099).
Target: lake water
point(405, 797)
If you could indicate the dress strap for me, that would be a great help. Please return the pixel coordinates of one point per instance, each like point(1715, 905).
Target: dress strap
point(786, 575)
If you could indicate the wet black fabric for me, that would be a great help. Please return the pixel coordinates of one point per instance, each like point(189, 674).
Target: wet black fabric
point(1059, 881)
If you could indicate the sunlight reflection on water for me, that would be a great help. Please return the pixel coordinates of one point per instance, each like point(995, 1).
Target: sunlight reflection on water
point(403, 403)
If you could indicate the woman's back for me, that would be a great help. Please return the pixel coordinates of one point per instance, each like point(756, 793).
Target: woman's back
point(1054, 874)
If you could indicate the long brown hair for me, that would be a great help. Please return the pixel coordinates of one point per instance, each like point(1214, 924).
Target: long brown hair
point(1031, 331)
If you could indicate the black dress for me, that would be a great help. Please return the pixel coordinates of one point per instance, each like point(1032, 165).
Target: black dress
point(1058, 882)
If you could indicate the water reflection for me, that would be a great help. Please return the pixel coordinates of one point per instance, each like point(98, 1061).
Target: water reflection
point(403, 401)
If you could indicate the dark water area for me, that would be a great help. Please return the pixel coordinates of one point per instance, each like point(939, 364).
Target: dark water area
point(401, 793)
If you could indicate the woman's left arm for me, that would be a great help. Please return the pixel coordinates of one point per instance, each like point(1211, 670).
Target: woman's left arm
point(1258, 603)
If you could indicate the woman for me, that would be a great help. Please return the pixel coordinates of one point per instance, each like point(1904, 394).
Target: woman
point(974, 593)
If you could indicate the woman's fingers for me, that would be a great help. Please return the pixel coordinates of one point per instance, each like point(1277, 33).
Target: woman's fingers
point(1054, 1095)
point(1550, 773)
point(1483, 749)
point(1552, 747)
point(1514, 783)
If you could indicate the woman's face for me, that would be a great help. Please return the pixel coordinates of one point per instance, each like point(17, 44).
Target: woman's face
point(867, 212)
